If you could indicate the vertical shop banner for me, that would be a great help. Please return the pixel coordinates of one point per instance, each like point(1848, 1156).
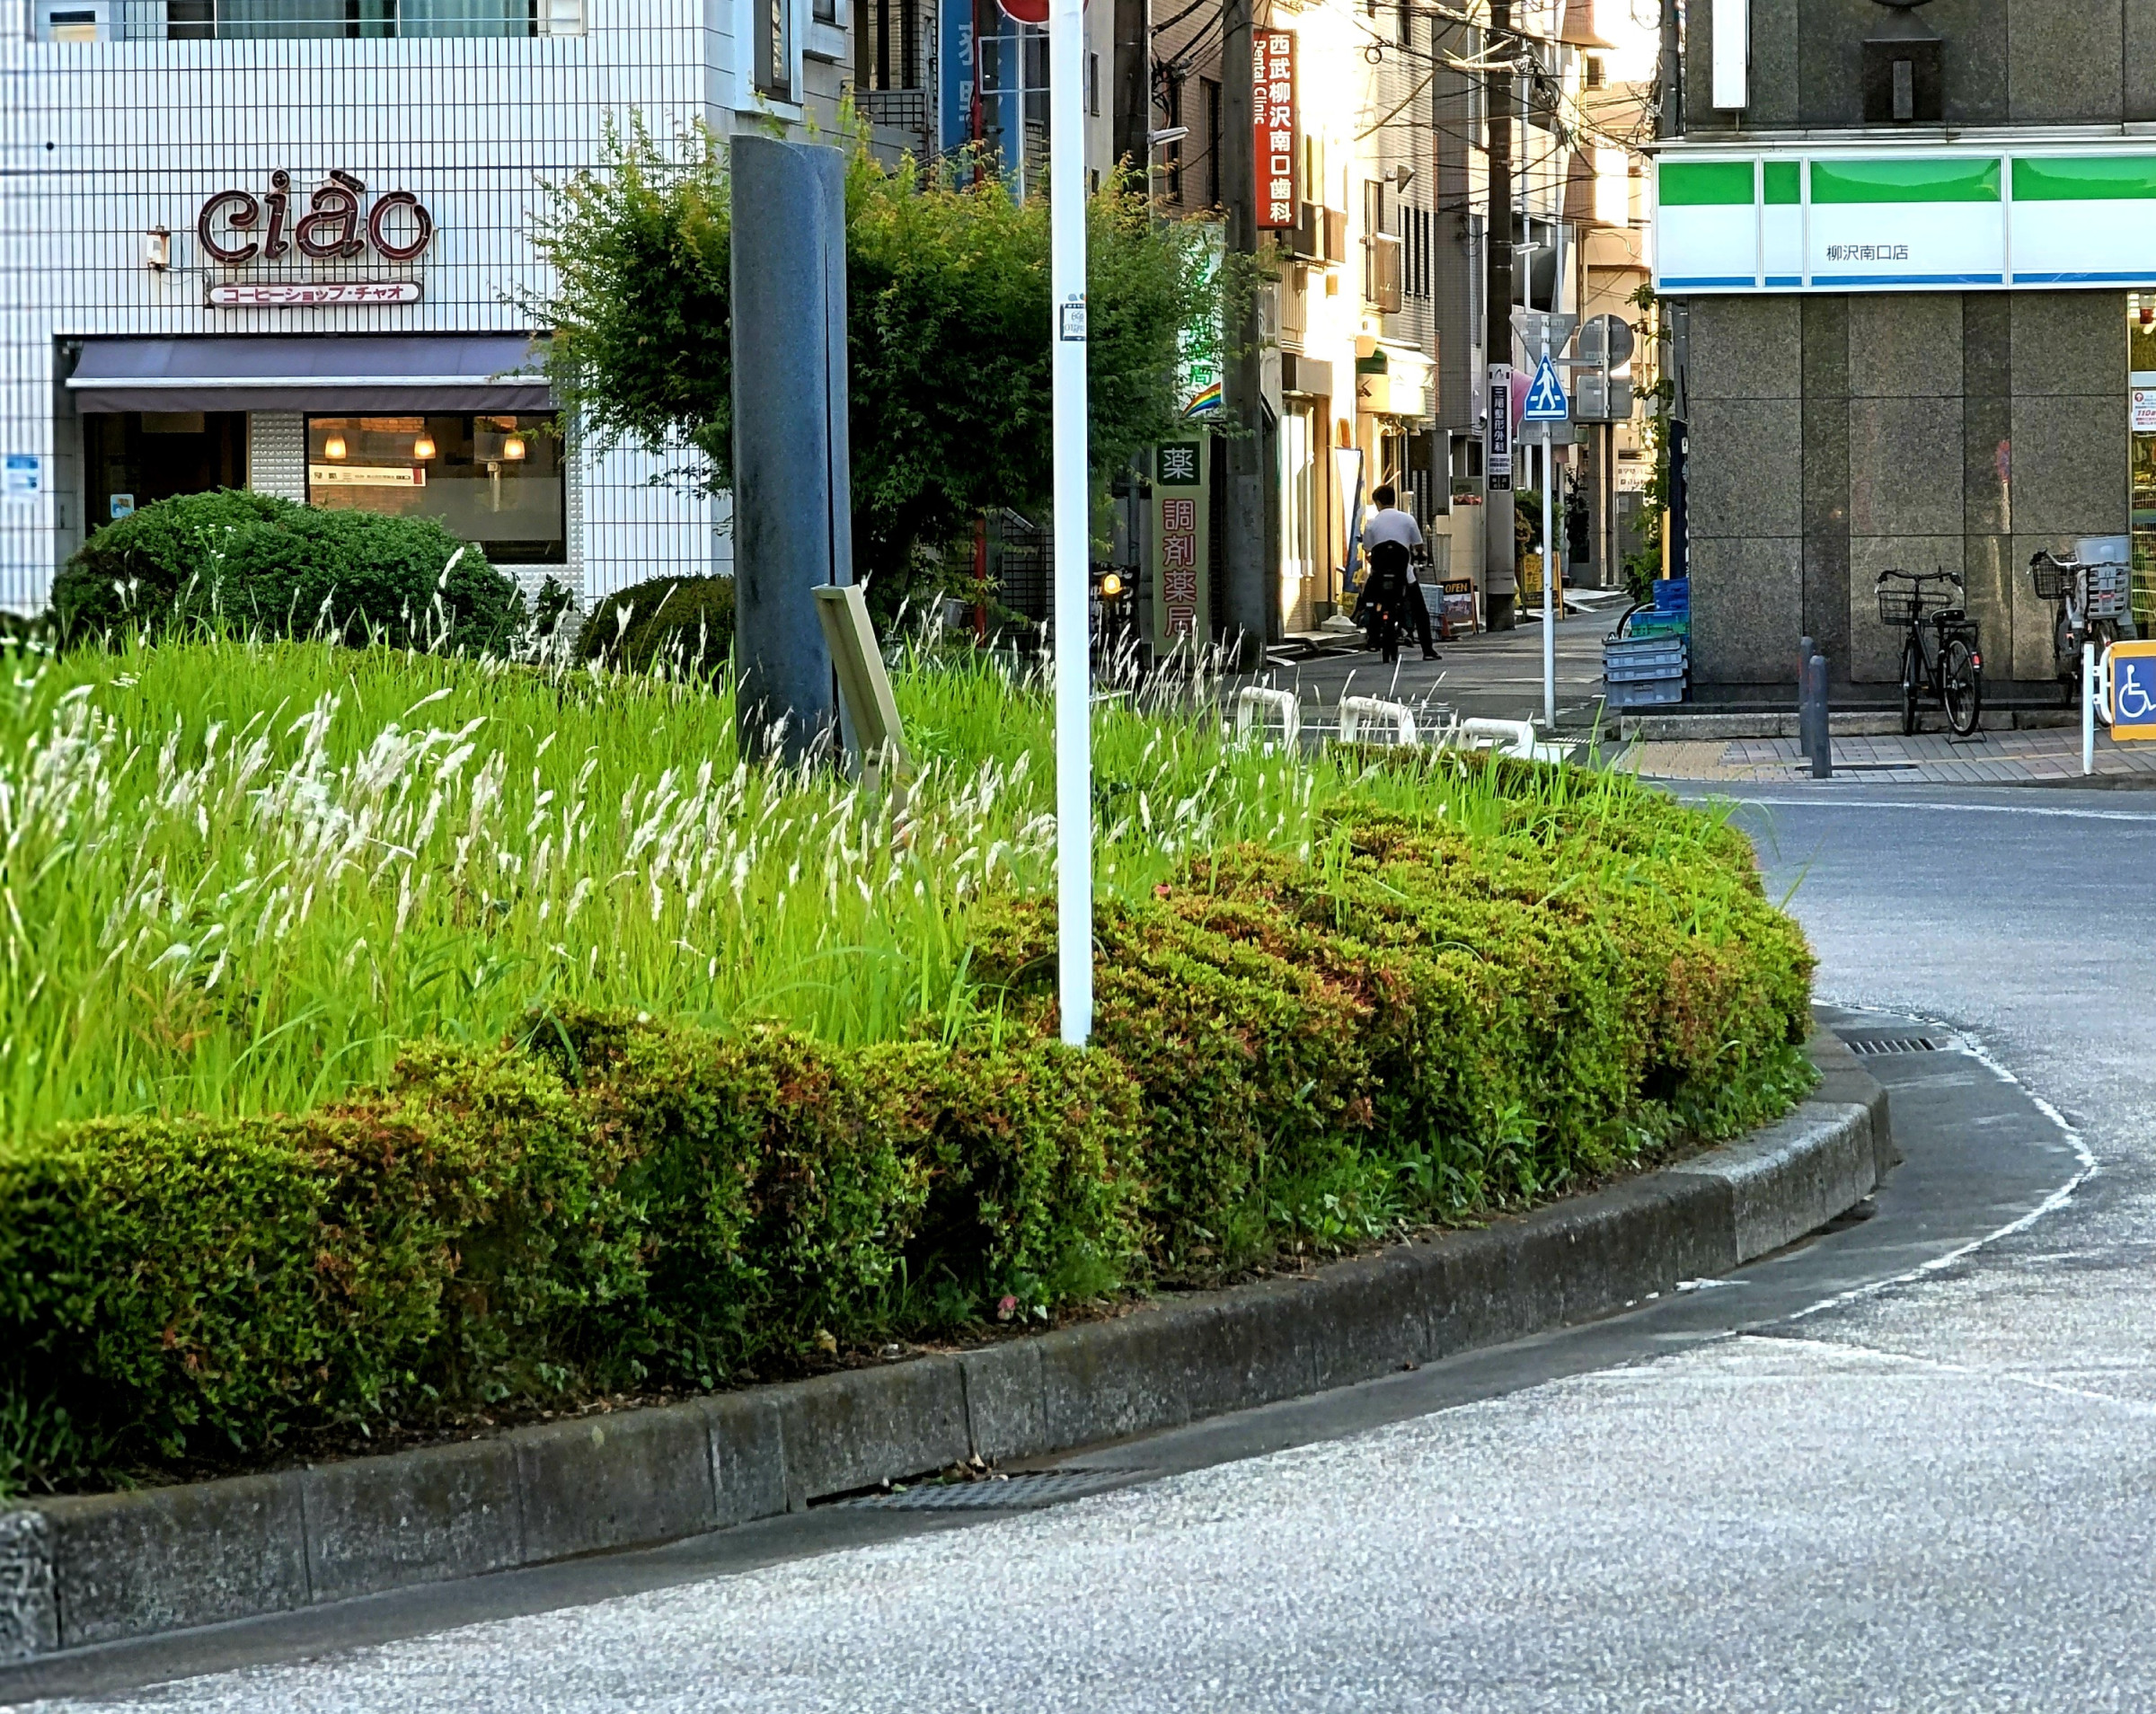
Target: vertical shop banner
point(1496, 429)
point(1180, 528)
point(955, 73)
point(1273, 119)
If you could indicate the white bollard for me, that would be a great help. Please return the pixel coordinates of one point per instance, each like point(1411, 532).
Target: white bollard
point(1252, 700)
point(1356, 710)
point(2090, 690)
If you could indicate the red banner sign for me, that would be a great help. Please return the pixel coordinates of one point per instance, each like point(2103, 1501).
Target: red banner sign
point(1273, 117)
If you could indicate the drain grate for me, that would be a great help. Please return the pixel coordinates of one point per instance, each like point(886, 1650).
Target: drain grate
point(997, 1493)
point(1893, 1044)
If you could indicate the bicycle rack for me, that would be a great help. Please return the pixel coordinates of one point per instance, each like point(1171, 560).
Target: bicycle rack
point(1356, 710)
point(1252, 700)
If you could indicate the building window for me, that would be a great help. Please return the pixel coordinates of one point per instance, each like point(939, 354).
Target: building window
point(493, 480)
point(328, 20)
point(1093, 84)
point(1173, 151)
point(772, 28)
point(1597, 73)
point(1211, 87)
point(887, 46)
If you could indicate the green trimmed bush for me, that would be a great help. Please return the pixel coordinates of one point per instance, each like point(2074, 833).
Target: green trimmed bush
point(683, 625)
point(1413, 1021)
point(266, 565)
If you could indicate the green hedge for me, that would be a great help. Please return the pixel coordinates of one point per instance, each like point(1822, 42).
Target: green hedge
point(676, 625)
point(269, 565)
point(1411, 1024)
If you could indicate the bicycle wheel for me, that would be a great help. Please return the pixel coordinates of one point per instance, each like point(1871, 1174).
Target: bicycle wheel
point(1912, 683)
point(1963, 680)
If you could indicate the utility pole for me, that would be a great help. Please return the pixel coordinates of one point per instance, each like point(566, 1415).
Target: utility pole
point(1500, 586)
point(1248, 604)
point(1132, 96)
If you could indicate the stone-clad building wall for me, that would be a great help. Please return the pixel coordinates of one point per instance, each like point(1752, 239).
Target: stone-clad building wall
point(1835, 437)
point(2007, 62)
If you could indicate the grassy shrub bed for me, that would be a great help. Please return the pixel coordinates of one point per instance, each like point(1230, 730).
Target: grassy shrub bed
point(269, 566)
point(387, 1039)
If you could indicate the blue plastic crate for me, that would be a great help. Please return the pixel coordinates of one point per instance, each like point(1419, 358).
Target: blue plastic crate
point(1645, 656)
point(1672, 595)
point(1647, 693)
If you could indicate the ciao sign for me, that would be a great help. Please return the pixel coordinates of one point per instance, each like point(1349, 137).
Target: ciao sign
point(237, 227)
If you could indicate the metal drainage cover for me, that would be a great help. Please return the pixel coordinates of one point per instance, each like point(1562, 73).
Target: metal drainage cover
point(997, 1493)
point(1894, 1045)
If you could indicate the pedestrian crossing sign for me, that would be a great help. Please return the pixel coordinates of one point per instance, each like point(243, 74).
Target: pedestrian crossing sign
point(1545, 396)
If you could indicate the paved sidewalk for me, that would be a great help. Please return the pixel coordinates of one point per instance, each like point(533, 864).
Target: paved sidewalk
point(2048, 757)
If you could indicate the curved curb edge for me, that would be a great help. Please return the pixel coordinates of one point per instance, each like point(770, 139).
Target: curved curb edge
point(78, 1572)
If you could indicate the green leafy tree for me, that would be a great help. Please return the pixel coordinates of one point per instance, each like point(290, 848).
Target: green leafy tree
point(948, 342)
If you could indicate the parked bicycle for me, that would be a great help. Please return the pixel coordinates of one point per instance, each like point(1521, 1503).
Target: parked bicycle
point(2090, 599)
point(1941, 661)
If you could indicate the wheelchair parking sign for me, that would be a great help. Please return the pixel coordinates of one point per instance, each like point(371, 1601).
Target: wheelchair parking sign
point(2132, 682)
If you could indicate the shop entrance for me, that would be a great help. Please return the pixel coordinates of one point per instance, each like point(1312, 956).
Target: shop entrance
point(135, 457)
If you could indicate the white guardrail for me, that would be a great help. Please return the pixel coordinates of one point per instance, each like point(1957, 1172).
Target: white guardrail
point(1251, 706)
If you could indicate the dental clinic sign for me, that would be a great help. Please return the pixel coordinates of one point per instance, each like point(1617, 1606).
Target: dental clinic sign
point(278, 232)
point(1945, 217)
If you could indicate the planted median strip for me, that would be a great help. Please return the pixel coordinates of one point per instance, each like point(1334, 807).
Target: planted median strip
point(442, 1042)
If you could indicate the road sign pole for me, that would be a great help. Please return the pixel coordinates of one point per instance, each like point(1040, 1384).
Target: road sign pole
point(1073, 739)
point(1549, 564)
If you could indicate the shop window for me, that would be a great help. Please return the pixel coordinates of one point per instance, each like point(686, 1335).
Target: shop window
point(493, 480)
point(135, 458)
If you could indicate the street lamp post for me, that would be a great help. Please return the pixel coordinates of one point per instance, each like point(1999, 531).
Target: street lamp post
point(1073, 741)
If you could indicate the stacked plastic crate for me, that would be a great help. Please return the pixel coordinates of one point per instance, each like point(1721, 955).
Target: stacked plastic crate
point(1650, 665)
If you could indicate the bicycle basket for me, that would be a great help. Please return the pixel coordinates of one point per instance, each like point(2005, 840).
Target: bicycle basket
point(1902, 604)
point(2054, 580)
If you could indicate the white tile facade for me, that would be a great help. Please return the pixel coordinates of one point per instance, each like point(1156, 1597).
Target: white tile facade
point(101, 141)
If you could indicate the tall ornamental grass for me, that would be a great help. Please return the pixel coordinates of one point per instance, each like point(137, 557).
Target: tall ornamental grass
point(237, 877)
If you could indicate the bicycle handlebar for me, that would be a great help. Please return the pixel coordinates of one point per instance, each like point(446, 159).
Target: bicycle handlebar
point(1953, 578)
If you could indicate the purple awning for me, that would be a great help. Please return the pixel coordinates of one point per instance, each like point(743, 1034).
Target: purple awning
point(336, 372)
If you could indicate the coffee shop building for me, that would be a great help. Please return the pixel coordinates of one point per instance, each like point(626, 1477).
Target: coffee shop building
point(284, 245)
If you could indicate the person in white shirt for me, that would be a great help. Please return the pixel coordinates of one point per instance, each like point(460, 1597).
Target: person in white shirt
point(1397, 532)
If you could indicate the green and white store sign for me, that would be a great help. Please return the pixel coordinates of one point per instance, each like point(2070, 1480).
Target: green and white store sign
point(1953, 218)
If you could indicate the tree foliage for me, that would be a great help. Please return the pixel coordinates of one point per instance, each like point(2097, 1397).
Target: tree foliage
point(948, 328)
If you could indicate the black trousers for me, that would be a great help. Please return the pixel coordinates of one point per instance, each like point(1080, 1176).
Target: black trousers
point(1418, 615)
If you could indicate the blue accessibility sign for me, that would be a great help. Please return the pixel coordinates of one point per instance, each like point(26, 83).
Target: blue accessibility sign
point(2133, 689)
point(1545, 397)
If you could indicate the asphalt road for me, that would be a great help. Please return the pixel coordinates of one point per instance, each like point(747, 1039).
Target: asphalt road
point(1917, 1475)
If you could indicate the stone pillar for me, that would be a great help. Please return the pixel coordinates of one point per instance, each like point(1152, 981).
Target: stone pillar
point(792, 498)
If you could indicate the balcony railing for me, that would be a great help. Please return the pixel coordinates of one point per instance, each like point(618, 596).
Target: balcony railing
point(302, 20)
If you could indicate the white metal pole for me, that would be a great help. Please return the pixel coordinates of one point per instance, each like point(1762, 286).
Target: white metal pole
point(1549, 565)
point(1074, 739)
point(2090, 690)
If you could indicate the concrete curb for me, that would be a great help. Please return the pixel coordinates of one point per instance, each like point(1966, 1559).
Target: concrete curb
point(82, 1571)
